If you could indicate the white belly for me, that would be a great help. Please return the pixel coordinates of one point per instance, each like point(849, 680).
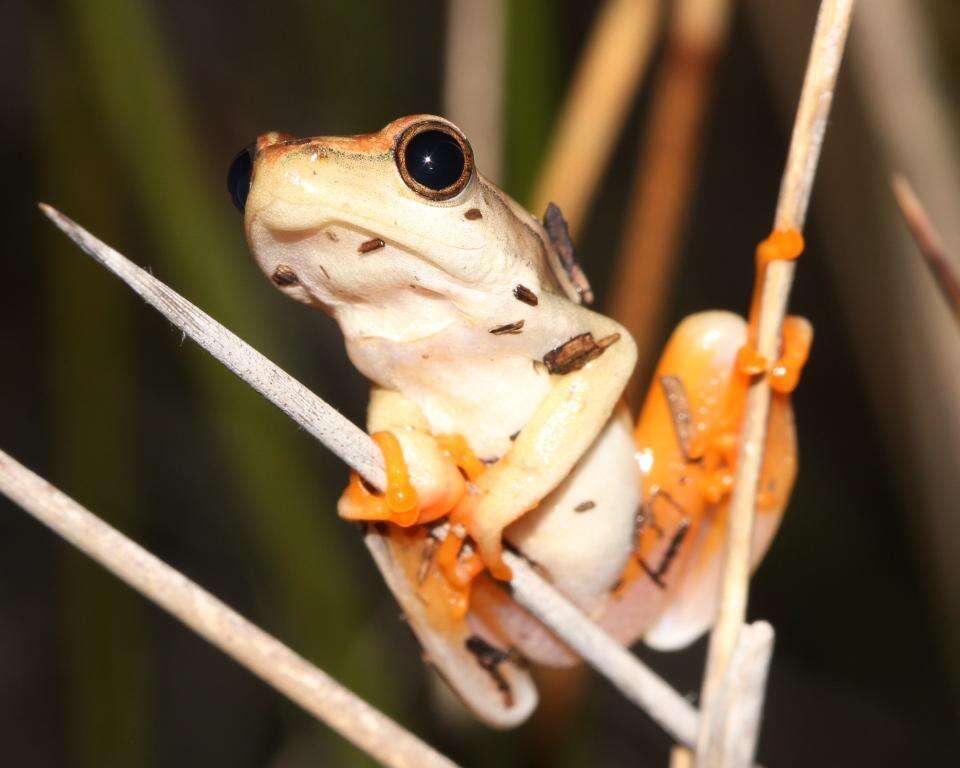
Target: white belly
point(586, 551)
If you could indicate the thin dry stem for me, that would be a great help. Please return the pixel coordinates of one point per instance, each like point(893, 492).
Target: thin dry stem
point(930, 244)
point(809, 128)
point(669, 154)
point(740, 698)
point(473, 77)
point(596, 107)
point(265, 656)
point(355, 447)
point(634, 680)
point(321, 420)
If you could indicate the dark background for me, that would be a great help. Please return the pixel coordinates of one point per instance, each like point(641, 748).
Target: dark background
point(125, 114)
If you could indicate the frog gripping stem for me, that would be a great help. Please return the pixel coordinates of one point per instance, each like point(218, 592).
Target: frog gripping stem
point(397, 504)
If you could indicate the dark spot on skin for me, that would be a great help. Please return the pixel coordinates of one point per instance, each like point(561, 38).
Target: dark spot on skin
point(656, 574)
point(514, 435)
point(585, 506)
point(284, 275)
point(607, 341)
point(426, 560)
point(488, 461)
point(490, 658)
point(572, 355)
point(324, 271)
point(373, 244)
point(679, 407)
point(524, 294)
point(509, 328)
point(559, 234)
point(473, 214)
point(331, 235)
point(639, 520)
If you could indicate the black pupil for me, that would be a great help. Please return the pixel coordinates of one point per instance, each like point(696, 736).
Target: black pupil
point(434, 159)
point(238, 178)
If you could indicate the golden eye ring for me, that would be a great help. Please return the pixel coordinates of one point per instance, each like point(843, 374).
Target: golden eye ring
point(434, 159)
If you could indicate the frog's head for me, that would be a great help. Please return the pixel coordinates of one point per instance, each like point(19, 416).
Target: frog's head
point(378, 219)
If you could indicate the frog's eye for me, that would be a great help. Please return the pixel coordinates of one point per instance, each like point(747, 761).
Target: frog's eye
point(238, 177)
point(435, 160)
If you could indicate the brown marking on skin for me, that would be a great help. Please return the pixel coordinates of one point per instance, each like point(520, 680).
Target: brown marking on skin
point(297, 142)
point(323, 269)
point(607, 341)
point(284, 275)
point(331, 235)
point(374, 244)
point(639, 520)
point(651, 515)
point(575, 353)
point(371, 144)
point(524, 294)
point(426, 559)
point(679, 406)
point(585, 506)
point(656, 574)
point(473, 214)
point(514, 435)
point(510, 328)
point(559, 234)
point(490, 658)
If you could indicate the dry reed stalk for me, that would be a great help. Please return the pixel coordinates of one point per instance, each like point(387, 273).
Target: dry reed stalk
point(826, 53)
point(474, 77)
point(355, 448)
point(607, 78)
point(930, 244)
point(897, 117)
point(741, 696)
point(274, 663)
point(663, 181)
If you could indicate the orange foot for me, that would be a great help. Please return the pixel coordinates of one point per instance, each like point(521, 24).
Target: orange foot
point(781, 245)
point(796, 337)
point(398, 504)
point(455, 561)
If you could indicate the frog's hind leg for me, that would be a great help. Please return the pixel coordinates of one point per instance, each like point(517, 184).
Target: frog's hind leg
point(694, 603)
point(687, 437)
point(482, 671)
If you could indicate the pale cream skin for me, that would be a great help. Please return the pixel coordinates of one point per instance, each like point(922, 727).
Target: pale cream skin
point(416, 316)
point(417, 284)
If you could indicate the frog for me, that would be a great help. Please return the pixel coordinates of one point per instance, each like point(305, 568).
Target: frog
point(497, 401)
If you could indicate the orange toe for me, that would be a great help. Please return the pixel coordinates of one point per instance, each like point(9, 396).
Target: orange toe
point(398, 503)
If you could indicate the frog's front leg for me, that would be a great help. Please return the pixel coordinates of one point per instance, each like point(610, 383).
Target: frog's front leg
point(590, 372)
point(423, 481)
